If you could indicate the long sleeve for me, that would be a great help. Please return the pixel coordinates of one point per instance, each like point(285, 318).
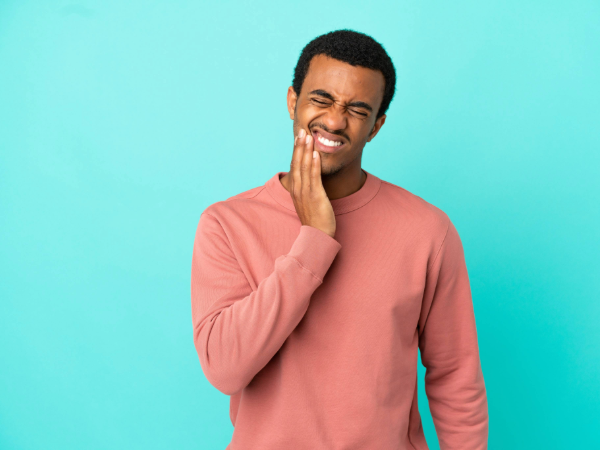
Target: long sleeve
point(237, 330)
point(454, 381)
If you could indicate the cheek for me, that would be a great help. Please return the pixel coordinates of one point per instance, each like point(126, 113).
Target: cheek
point(359, 134)
point(308, 114)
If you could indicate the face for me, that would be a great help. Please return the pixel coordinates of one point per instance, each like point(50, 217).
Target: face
point(338, 105)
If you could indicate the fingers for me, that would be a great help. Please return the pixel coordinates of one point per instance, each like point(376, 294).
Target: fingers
point(315, 173)
point(306, 165)
point(296, 180)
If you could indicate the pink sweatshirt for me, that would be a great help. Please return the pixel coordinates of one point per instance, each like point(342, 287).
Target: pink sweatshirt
point(316, 338)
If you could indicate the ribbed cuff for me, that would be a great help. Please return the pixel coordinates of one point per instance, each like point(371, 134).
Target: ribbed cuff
point(315, 250)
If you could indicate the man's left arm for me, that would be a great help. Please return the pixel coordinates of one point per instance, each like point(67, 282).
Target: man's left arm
point(449, 351)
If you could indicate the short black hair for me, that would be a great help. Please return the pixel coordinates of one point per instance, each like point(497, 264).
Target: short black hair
point(352, 47)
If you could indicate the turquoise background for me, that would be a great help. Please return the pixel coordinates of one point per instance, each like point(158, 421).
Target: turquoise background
point(120, 121)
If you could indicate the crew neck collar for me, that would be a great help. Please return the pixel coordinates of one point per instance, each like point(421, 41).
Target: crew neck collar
point(340, 205)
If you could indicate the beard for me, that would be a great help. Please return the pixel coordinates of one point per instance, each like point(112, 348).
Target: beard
point(330, 168)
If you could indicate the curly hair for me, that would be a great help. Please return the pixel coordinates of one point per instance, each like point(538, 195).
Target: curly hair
point(354, 48)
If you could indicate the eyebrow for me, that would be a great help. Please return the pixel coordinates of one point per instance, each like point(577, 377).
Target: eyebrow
point(322, 93)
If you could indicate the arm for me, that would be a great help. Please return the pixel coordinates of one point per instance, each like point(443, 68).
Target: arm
point(448, 341)
point(237, 330)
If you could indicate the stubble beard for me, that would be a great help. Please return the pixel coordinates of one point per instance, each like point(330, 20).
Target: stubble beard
point(328, 169)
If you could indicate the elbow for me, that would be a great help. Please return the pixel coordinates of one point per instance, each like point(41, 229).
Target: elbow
point(227, 385)
point(223, 380)
point(223, 376)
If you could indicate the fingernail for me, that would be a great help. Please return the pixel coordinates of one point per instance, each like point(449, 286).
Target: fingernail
point(314, 154)
point(302, 133)
point(308, 139)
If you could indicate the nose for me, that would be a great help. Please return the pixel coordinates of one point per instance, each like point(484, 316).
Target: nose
point(335, 118)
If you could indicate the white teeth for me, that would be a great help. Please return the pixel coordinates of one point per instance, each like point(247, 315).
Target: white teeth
point(329, 143)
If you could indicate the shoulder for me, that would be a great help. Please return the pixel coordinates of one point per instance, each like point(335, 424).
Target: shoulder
point(414, 208)
point(236, 205)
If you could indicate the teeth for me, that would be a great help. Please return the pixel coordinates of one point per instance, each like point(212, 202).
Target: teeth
point(328, 143)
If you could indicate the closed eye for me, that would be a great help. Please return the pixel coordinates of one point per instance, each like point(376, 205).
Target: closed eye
point(360, 113)
point(356, 112)
point(320, 102)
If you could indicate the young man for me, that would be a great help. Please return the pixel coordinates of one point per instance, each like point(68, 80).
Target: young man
point(312, 294)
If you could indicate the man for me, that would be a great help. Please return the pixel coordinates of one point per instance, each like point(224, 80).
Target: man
point(312, 294)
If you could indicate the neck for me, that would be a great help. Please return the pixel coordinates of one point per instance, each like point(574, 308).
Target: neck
point(340, 184)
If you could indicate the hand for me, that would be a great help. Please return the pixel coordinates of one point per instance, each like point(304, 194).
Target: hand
point(310, 199)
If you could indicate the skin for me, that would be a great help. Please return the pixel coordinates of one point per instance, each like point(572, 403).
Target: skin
point(340, 102)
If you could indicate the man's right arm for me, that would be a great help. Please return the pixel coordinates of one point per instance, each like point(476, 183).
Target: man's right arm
point(237, 330)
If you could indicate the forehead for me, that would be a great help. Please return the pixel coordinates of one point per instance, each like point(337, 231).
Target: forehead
point(344, 81)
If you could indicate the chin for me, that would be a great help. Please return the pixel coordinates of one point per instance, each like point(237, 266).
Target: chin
point(328, 169)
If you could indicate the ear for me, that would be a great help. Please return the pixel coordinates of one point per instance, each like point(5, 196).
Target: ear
point(292, 98)
point(378, 124)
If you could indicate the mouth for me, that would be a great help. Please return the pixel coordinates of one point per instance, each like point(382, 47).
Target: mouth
point(327, 142)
